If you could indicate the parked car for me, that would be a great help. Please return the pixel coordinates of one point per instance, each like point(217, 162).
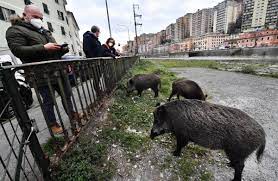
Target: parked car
point(23, 87)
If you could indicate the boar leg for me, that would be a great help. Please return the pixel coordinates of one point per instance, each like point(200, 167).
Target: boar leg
point(238, 170)
point(172, 94)
point(178, 96)
point(181, 142)
point(139, 92)
point(155, 89)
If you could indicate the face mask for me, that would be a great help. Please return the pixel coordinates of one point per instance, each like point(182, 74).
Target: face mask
point(110, 44)
point(36, 23)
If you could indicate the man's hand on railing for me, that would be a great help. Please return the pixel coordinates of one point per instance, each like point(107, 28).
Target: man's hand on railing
point(52, 46)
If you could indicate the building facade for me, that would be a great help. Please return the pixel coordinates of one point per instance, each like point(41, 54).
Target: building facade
point(55, 19)
point(259, 14)
point(225, 13)
point(187, 20)
point(202, 22)
point(179, 29)
point(170, 32)
point(75, 44)
point(209, 41)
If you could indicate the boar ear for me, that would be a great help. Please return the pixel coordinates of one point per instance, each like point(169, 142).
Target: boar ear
point(162, 109)
point(130, 81)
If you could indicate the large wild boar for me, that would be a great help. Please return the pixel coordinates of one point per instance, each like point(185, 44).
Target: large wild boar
point(187, 89)
point(142, 82)
point(211, 126)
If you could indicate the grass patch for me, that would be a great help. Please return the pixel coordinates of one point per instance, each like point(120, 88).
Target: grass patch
point(248, 69)
point(86, 161)
point(53, 145)
point(189, 63)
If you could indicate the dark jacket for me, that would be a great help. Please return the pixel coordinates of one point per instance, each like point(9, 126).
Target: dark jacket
point(110, 51)
point(27, 43)
point(91, 45)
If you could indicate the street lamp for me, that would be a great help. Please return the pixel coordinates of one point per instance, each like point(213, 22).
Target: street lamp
point(127, 30)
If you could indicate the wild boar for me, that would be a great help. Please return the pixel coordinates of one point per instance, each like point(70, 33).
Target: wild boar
point(212, 126)
point(187, 89)
point(142, 82)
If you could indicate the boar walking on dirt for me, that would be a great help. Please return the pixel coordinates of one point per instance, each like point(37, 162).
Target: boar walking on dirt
point(211, 126)
point(142, 82)
point(187, 89)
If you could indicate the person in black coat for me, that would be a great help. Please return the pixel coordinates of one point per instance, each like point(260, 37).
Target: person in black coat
point(109, 49)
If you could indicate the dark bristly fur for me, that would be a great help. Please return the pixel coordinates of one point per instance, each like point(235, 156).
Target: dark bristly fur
point(142, 82)
point(211, 126)
point(187, 89)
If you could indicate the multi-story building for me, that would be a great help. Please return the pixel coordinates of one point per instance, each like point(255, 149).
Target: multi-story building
point(75, 43)
point(271, 19)
point(55, 19)
point(259, 14)
point(225, 13)
point(209, 41)
point(202, 22)
point(179, 29)
point(187, 20)
point(170, 32)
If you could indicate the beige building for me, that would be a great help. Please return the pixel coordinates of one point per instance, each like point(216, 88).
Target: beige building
point(209, 41)
point(202, 22)
point(179, 29)
point(259, 14)
point(225, 13)
point(55, 20)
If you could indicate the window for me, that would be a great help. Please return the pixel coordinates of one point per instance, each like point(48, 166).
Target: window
point(5, 13)
point(63, 30)
point(267, 38)
point(57, 1)
point(45, 8)
point(262, 39)
point(50, 27)
point(60, 15)
point(27, 2)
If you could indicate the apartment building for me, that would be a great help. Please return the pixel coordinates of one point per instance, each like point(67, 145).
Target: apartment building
point(202, 22)
point(55, 19)
point(179, 29)
point(209, 41)
point(187, 20)
point(225, 13)
point(170, 32)
point(259, 14)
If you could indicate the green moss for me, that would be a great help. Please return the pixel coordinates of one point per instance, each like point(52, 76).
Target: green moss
point(53, 145)
point(86, 161)
point(206, 176)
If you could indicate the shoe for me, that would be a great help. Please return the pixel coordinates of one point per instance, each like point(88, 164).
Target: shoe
point(56, 129)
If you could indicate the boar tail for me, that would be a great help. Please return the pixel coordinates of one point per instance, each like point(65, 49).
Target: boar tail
point(261, 151)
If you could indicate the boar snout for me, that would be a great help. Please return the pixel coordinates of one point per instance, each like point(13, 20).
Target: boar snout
point(156, 132)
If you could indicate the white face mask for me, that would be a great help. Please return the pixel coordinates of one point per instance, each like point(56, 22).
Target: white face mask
point(36, 23)
point(110, 44)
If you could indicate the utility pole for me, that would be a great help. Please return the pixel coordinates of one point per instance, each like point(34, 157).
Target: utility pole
point(135, 25)
point(108, 19)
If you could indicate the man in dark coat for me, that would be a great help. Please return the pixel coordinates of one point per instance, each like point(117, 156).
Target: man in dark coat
point(30, 42)
point(92, 46)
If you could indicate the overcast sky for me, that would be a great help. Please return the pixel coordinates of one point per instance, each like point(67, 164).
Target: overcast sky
point(156, 15)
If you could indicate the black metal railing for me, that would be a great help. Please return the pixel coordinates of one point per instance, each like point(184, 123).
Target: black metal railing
point(81, 84)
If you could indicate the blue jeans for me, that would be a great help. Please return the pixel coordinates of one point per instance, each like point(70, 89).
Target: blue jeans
point(48, 103)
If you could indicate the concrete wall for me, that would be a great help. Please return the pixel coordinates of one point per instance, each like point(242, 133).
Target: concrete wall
point(239, 52)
